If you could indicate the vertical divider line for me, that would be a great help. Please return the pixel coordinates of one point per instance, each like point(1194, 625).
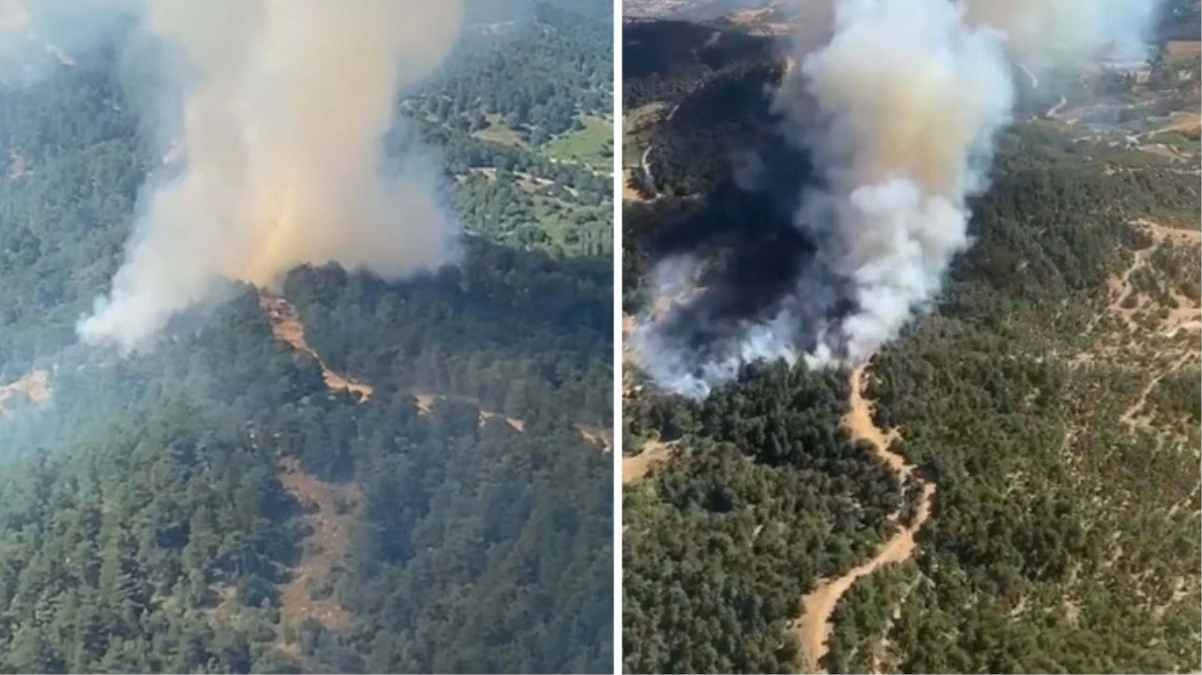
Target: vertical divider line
point(617, 327)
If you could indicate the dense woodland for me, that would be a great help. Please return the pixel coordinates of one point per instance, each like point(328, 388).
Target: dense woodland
point(157, 493)
point(665, 61)
point(712, 129)
point(769, 497)
point(480, 330)
point(149, 519)
point(1063, 538)
point(1181, 20)
point(1072, 536)
point(555, 65)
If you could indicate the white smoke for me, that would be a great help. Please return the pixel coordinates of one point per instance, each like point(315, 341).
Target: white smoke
point(899, 100)
point(271, 114)
point(284, 106)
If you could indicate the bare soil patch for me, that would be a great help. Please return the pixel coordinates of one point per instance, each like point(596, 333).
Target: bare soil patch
point(34, 386)
point(637, 466)
point(597, 436)
point(425, 402)
point(330, 515)
point(286, 325)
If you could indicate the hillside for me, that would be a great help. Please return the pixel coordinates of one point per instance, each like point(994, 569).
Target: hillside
point(1012, 486)
point(339, 475)
point(692, 10)
point(523, 119)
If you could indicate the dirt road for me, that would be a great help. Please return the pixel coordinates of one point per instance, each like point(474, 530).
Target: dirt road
point(286, 325)
point(817, 607)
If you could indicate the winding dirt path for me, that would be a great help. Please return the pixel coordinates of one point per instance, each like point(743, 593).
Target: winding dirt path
point(425, 403)
point(286, 325)
point(646, 166)
point(1054, 110)
point(1127, 302)
point(1186, 315)
point(1121, 289)
point(644, 161)
point(814, 628)
point(1128, 418)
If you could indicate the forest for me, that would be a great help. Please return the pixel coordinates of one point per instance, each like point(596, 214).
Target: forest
point(557, 64)
point(1180, 20)
point(665, 61)
point(508, 97)
point(215, 504)
point(1051, 402)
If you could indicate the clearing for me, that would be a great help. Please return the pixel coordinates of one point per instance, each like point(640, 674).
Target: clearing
point(34, 385)
point(635, 467)
point(590, 146)
point(759, 21)
point(497, 132)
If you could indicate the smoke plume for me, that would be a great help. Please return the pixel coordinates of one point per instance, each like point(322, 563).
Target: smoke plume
point(38, 35)
point(898, 102)
point(271, 115)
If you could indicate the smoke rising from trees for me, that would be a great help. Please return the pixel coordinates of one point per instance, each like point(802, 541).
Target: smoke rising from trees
point(898, 102)
point(270, 116)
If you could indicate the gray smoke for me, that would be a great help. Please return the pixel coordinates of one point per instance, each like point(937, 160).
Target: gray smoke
point(37, 36)
point(899, 101)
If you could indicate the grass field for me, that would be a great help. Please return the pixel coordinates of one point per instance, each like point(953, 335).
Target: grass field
point(497, 132)
point(592, 145)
